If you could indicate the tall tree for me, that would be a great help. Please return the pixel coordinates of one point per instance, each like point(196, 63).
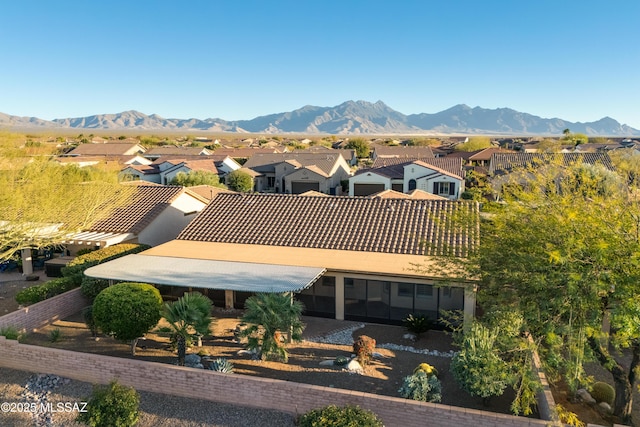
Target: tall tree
point(563, 251)
point(190, 314)
point(197, 178)
point(42, 201)
point(361, 146)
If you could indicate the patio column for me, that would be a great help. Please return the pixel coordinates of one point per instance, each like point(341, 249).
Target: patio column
point(339, 296)
point(469, 305)
point(228, 299)
point(27, 264)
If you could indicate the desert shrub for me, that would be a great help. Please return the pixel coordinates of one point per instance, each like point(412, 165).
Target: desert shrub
point(221, 365)
point(427, 369)
point(567, 417)
point(92, 286)
point(34, 294)
point(417, 324)
point(111, 406)
point(10, 333)
point(339, 416)
point(55, 335)
point(603, 392)
point(84, 251)
point(363, 348)
point(422, 387)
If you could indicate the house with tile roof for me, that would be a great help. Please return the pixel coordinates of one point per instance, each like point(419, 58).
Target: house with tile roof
point(298, 172)
point(440, 176)
point(401, 151)
point(107, 149)
point(152, 214)
point(343, 257)
point(163, 171)
point(480, 158)
point(176, 151)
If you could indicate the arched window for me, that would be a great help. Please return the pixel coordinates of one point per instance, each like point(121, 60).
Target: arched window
point(412, 184)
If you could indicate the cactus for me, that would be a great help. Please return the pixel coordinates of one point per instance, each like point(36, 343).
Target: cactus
point(603, 392)
point(221, 365)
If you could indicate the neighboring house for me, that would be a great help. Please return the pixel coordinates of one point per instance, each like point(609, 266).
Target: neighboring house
point(111, 149)
point(440, 176)
point(479, 158)
point(154, 214)
point(348, 154)
point(164, 171)
point(174, 151)
point(298, 172)
point(83, 161)
point(241, 155)
point(415, 194)
point(344, 258)
point(401, 151)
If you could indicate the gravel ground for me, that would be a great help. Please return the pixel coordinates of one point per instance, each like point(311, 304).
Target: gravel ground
point(156, 410)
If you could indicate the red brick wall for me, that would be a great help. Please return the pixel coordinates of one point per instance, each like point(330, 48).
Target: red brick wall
point(285, 396)
point(40, 314)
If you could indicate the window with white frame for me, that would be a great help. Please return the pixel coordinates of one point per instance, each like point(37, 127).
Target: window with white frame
point(444, 188)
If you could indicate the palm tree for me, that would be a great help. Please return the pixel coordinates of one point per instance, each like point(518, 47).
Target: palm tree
point(190, 314)
point(269, 316)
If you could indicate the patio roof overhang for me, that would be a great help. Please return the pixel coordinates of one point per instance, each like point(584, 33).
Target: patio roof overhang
point(209, 274)
point(98, 238)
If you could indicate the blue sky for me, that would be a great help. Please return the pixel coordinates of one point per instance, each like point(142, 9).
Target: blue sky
point(574, 59)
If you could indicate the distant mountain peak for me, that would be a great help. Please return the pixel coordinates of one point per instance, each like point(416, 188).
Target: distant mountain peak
point(350, 117)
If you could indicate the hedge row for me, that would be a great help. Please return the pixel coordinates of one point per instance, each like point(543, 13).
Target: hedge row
point(74, 272)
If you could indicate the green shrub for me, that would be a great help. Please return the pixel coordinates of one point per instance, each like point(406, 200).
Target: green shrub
point(336, 416)
point(363, 348)
point(111, 406)
point(422, 387)
point(55, 335)
point(10, 333)
point(84, 251)
point(92, 286)
point(603, 392)
point(417, 324)
point(34, 294)
point(78, 265)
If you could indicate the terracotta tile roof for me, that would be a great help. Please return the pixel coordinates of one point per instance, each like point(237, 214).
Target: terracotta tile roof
point(415, 194)
point(208, 191)
point(403, 151)
point(484, 154)
point(173, 150)
point(394, 167)
point(505, 162)
point(243, 153)
point(108, 149)
point(324, 161)
point(145, 204)
point(418, 227)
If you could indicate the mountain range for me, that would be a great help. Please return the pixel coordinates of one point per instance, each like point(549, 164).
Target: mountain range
point(351, 117)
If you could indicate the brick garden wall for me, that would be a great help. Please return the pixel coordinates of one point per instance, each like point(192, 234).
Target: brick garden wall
point(284, 396)
point(245, 390)
point(42, 313)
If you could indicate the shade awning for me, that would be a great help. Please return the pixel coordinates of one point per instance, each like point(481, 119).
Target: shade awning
point(208, 274)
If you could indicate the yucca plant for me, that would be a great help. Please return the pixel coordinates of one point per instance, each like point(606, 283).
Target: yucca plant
point(417, 325)
point(190, 314)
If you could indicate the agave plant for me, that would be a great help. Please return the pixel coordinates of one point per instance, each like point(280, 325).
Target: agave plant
point(221, 365)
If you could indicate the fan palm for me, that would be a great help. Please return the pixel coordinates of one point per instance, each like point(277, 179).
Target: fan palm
point(190, 314)
point(268, 317)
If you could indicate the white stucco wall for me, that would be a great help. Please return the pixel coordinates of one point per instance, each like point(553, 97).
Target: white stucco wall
point(171, 221)
point(368, 178)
